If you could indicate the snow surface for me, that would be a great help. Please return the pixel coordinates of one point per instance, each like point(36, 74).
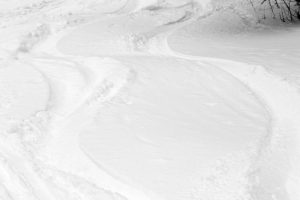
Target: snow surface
point(147, 99)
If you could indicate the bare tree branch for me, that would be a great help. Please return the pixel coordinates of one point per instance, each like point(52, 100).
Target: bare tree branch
point(286, 10)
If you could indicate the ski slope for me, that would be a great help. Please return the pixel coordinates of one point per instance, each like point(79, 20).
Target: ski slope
point(144, 100)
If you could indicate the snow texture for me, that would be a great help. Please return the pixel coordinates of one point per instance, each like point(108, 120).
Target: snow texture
point(147, 100)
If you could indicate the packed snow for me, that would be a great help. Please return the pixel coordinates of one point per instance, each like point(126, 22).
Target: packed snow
point(147, 100)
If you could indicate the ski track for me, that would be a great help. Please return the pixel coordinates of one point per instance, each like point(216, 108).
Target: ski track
point(77, 86)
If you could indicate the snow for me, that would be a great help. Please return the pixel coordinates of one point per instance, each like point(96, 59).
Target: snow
point(143, 100)
point(20, 86)
point(174, 137)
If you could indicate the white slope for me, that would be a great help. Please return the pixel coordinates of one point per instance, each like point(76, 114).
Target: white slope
point(278, 164)
point(168, 112)
point(125, 107)
point(270, 68)
point(170, 125)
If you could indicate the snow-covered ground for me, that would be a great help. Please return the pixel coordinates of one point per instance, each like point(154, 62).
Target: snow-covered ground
point(147, 100)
